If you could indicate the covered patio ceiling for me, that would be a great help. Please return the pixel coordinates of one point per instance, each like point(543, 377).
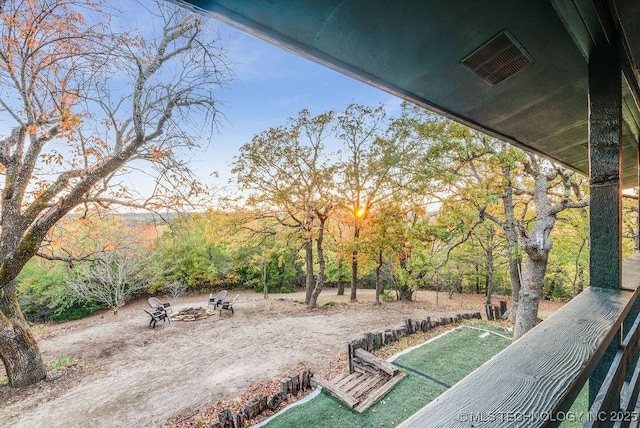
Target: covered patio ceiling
point(516, 70)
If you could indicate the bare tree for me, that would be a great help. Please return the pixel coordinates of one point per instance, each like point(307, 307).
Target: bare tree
point(176, 289)
point(113, 278)
point(85, 105)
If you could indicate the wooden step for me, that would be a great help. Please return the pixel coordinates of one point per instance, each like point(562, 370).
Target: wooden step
point(336, 392)
point(360, 389)
point(373, 396)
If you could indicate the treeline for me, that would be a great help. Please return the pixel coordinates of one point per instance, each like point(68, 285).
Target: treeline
point(398, 204)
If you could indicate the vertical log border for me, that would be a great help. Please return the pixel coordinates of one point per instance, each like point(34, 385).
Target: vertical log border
point(373, 341)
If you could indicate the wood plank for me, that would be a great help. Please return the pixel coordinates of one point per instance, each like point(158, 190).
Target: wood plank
point(540, 372)
point(338, 378)
point(363, 368)
point(336, 392)
point(383, 365)
point(355, 382)
point(367, 385)
point(353, 389)
point(379, 393)
point(349, 379)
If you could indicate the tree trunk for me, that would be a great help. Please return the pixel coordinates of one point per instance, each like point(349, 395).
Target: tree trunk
point(18, 348)
point(405, 293)
point(379, 277)
point(341, 280)
point(354, 266)
point(489, 272)
point(536, 246)
point(308, 249)
point(515, 261)
point(515, 264)
point(354, 276)
point(265, 289)
point(530, 293)
point(321, 263)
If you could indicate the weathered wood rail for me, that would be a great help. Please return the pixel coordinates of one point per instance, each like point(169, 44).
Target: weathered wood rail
point(534, 381)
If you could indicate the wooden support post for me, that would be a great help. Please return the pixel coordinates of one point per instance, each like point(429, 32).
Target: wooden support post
point(284, 386)
point(497, 314)
point(295, 384)
point(489, 311)
point(350, 354)
point(605, 182)
point(408, 325)
point(306, 380)
point(240, 419)
point(368, 340)
point(226, 418)
point(503, 306)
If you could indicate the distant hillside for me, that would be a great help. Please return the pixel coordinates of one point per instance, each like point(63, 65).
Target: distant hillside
point(136, 219)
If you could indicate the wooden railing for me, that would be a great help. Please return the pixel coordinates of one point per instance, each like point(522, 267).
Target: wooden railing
point(534, 381)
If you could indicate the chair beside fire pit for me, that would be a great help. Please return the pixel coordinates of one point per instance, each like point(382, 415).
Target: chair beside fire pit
point(217, 300)
point(157, 316)
point(156, 304)
point(228, 306)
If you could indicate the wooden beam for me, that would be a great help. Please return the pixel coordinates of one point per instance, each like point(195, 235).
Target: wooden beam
point(605, 163)
point(605, 181)
point(336, 392)
point(540, 374)
point(377, 362)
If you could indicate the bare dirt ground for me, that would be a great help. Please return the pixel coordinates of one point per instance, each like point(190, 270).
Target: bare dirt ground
point(125, 374)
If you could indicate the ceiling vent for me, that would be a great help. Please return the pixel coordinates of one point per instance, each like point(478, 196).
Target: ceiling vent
point(498, 59)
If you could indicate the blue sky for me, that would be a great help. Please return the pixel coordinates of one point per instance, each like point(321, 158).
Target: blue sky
point(272, 85)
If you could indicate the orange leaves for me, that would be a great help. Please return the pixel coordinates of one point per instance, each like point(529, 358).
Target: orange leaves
point(156, 155)
point(67, 99)
point(69, 121)
point(52, 158)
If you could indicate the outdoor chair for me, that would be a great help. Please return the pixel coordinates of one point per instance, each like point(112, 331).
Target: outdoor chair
point(156, 304)
point(217, 300)
point(157, 316)
point(229, 305)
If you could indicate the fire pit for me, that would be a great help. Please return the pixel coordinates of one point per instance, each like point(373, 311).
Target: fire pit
point(191, 314)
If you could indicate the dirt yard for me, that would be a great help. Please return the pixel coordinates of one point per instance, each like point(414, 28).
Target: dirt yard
point(125, 374)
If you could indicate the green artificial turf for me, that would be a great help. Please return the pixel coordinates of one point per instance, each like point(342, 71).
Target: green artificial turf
point(445, 360)
point(577, 415)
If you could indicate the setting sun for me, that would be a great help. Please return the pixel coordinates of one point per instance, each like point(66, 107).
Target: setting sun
point(360, 212)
